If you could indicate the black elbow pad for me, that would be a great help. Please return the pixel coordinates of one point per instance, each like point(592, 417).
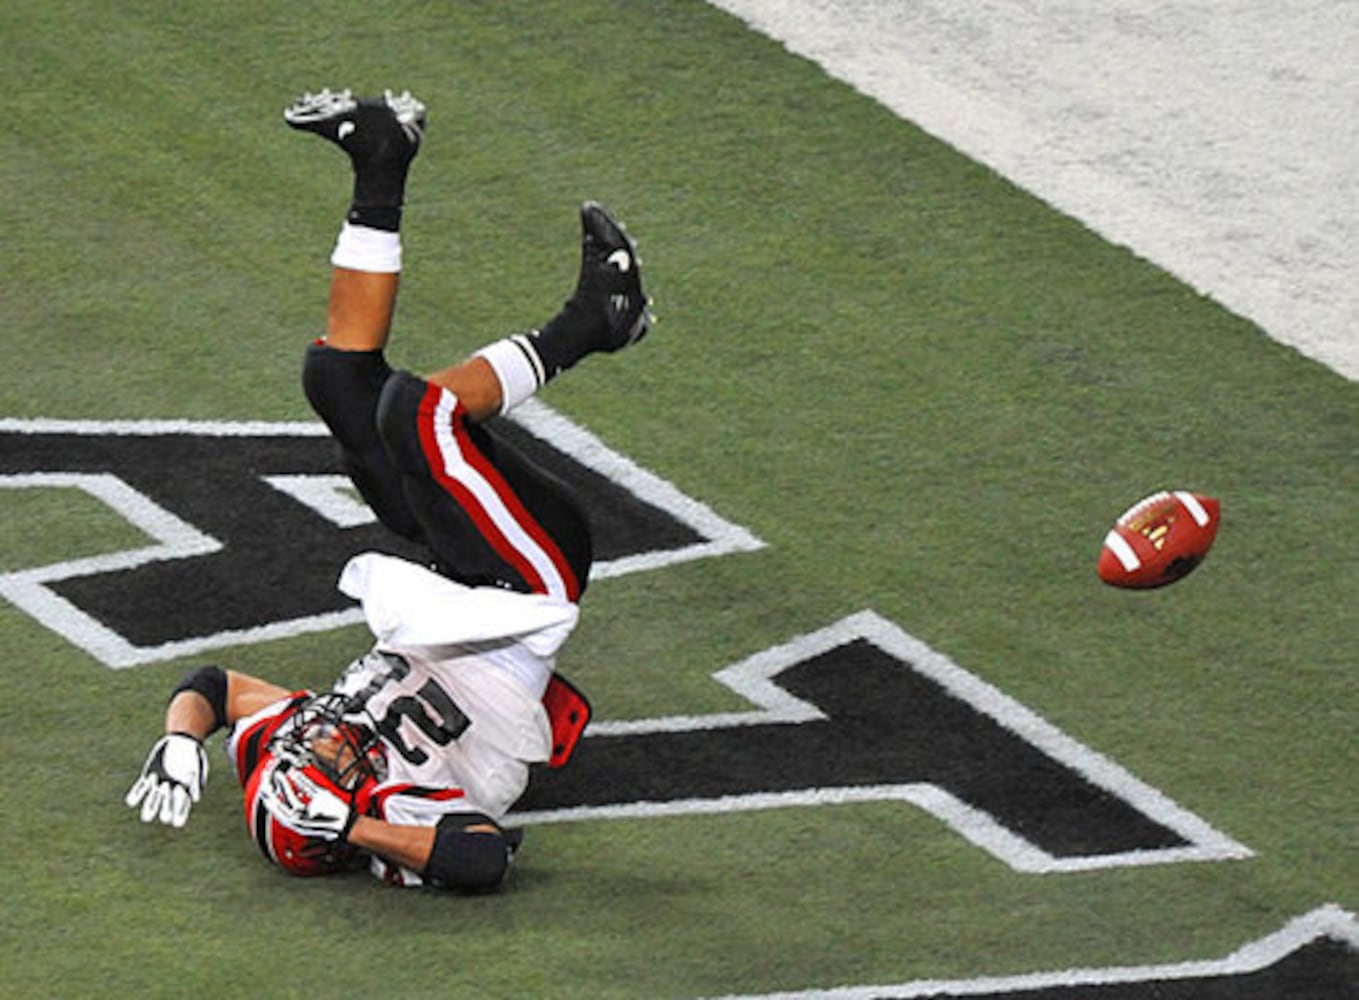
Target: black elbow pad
point(211, 683)
point(467, 860)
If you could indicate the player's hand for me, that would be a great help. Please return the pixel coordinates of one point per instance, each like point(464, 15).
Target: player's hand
point(172, 779)
point(304, 806)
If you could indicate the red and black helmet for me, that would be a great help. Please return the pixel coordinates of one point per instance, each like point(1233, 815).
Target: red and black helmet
point(331, 744)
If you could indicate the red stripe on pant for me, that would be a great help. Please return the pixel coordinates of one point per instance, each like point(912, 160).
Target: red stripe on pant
point(501, 544)
point(529, 524)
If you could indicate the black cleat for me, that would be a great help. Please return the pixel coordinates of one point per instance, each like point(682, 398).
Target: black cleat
point(610, 282)
point(386, 129)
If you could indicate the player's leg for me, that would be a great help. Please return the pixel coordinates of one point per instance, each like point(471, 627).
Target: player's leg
point(607, 311)
point(344, 372)
point(381, 136)
point(487, 511)
point(489, 515)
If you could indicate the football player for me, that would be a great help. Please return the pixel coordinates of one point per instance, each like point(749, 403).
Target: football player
point(412, 760)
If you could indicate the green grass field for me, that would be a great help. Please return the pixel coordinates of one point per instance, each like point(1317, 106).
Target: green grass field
point(927, 392)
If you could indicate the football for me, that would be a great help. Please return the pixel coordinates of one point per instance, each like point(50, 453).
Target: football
point(1159, 540)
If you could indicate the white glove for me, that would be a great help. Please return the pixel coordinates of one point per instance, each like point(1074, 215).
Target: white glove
point(305, 807)
point(172, 779)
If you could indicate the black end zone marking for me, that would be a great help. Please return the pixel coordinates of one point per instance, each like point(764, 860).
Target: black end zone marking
point(861, 711)
point(231, 559)
point(277, 559)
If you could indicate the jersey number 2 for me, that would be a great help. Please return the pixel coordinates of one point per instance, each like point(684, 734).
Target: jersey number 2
point(431, 710)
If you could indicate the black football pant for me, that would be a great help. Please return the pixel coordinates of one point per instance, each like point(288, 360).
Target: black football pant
point(487, 515)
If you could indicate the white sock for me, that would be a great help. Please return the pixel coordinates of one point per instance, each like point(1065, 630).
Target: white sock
point(360, 248)
point(517, 365)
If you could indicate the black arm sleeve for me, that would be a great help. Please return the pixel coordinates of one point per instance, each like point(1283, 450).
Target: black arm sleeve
point(467, 860)
point(211, 683)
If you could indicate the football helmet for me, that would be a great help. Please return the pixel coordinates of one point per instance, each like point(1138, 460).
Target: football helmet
point(335, 747)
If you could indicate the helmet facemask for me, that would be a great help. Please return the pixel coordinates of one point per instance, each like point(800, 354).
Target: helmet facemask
point(335, 739)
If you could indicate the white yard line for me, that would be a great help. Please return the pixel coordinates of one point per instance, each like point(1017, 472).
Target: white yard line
point(1328, 921)
point(1216, 138)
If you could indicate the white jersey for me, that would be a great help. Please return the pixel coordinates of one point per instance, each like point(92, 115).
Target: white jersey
point(454, 685)
point(456, 679)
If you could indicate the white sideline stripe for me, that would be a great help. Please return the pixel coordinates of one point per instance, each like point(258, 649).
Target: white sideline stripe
point(1119, 546)
point(1160, 132)
point(156, 428)
point(754, 679)
point(1327, 921)
point(1191, 504)
point(326, 494)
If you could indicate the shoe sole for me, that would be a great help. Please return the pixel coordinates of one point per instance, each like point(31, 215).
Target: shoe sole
point(620, 239)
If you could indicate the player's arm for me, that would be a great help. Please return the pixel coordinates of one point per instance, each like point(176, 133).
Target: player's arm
point(210, 698)
point(176, 769)
point(465, 851)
